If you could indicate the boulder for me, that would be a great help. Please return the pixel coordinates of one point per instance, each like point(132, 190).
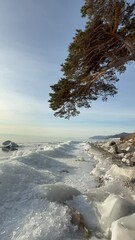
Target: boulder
point(130, 148)
point(132, 160)
point(126, 161)
point(134, 154)
point(121, 155)
point(114, 147)
point(6, 143)
point(128, 155)
point(9, 146)
point(130, 140)
point(112, 143)
point(77, 219)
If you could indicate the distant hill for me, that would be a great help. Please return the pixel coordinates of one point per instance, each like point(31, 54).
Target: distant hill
point(120, 135)
point(131, 136)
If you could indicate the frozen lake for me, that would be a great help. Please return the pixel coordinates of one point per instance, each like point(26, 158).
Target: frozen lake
point(32, 190)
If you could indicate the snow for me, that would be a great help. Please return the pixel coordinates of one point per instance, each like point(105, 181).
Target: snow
point(115, 207)
point(58, 192)
point(41, 182)
point(124, 228)
point(115, 203)
point(121, 171)
point(35, 183)
point(88, 211)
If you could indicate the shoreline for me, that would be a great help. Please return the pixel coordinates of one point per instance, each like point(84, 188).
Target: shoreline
point(113, 159)
point(61, 177)
point(114, 196)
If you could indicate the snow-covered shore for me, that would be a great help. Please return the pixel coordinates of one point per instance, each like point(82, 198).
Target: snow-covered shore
point(115, 197)
point(69, 190)
point(41, 189)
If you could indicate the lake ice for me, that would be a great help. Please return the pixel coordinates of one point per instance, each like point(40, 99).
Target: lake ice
point(32, 190)
point(40, 182)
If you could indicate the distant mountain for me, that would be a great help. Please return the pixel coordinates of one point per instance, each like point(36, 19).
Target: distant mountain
point(120, 135)
point(131, 136)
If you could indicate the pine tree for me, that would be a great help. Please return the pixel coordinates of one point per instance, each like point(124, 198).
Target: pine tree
point(95, 56)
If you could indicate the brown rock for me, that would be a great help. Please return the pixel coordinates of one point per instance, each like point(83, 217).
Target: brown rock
point(78, 220)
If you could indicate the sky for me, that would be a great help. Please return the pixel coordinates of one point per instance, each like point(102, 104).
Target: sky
point(34, 40)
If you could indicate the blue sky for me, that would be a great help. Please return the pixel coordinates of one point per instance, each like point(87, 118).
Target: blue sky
point(34, 38)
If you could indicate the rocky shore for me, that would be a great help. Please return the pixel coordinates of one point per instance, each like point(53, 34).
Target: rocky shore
point(120, 159)
point(114, 197)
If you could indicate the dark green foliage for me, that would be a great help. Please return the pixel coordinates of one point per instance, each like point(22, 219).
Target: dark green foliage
point(105, 46)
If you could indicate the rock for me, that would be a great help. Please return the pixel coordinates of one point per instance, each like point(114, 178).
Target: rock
point(121, 155)
point(121, 150)
point(114, 147)
point(105, 144)
point(78, 220)
point(112, 150)
point(130, 140)
point(130, 184)
point(104, 179)
point(130, 148)
point(129, 159)
point(6, 143)
point(133, 180)
point(80, 159)
point(126, 161)
point(64, 171)
point(128, 155)
point(112, 143)
point(9, 146)
point(132, 161)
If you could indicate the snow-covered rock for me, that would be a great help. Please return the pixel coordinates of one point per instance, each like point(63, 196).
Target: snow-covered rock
point(114, 147)
point(9, 145)
point(126, 161)
point(130, 148)
point(129, 159)
point(134, 154)
point(133, 161)
point(130, 140)
point(112, 150)
point(121, 155)
point(128, 155)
